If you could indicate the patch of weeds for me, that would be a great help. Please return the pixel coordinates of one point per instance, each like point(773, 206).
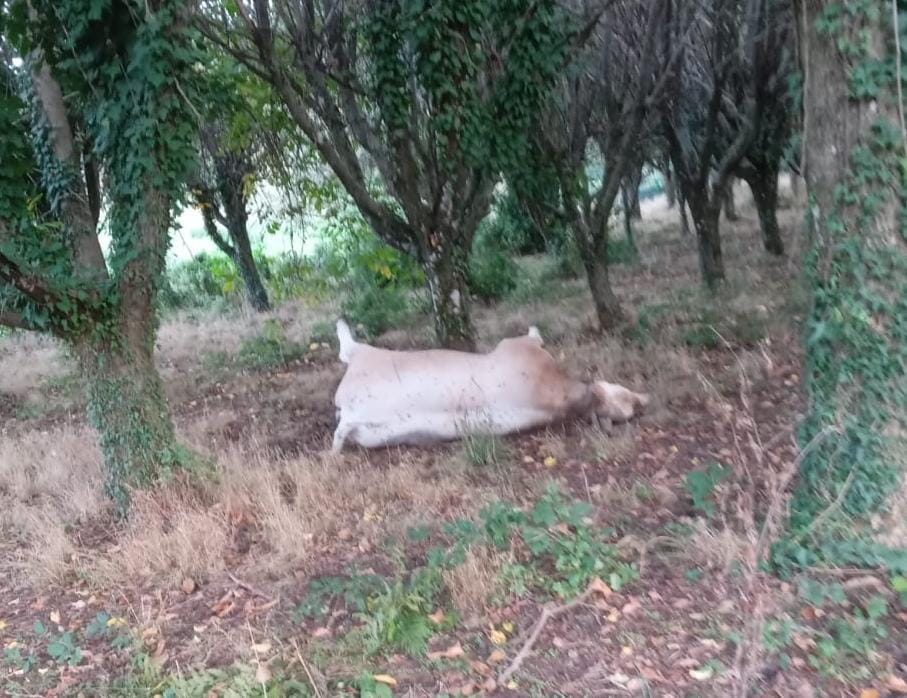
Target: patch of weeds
point(693, 575)
point(817, 593)
point(353, 591)
point(701, 485)
point(648, 318)
point(557, 549)
point(483, 449)
point(398, 617)
point(750, 327)
point(65, 650)
point(848, 641)
point(19, 658)
point(269, 348)
point(239, 680)
point(700, 335)
point(323, 333)
point(899, 585)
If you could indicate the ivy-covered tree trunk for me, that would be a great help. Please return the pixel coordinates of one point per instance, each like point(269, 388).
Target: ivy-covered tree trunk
point(445, 266)
point(855, 431)
point(763, 183)
point(128, 409)
point(706, 212)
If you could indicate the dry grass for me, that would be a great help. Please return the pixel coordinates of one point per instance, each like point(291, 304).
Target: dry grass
point(291, 510)
point(474, 584)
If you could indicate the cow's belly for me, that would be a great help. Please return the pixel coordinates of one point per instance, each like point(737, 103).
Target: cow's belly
point(434, 427)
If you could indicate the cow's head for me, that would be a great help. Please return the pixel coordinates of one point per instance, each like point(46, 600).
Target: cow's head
point(616, 403)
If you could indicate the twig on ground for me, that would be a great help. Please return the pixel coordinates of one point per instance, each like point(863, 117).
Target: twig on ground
point(305, 667)
point(549, 611)
point(248, 587)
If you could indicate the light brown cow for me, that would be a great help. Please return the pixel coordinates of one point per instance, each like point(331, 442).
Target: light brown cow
point(389, 398)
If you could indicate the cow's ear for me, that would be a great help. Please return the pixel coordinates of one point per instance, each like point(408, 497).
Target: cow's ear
point(535, 334)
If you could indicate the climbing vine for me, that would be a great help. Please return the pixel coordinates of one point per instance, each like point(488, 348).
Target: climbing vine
point(855, 432)
point(103, 84)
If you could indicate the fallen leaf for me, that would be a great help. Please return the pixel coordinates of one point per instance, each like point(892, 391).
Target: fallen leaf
point(599, 587)
point(512, 685)
point(507, 627)
point(452, 652)
point(489, 685)
point(55, 617)
point(497, 637)
point(2, 625)
point(115, 621)
point(550, 462)
point(385, 679)
point(497, 656)
point(467, 689)
point(321, 632)
point(703, 674)
point(481, 668)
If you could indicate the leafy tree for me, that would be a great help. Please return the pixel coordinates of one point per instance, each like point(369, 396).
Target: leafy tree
point(121, 67)
point(714, 112)
point(432, 98)
point(588, 139)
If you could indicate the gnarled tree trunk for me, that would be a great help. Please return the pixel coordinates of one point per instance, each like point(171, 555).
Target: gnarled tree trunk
point(706, 212)
point(763, 183)
point(446, 266)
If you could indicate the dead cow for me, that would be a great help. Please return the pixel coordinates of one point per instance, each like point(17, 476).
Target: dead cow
point(389, 398)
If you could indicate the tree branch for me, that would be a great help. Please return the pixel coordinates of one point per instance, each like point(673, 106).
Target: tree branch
point(16, 321)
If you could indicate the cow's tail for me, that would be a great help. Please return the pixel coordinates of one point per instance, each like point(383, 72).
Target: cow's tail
point(347, 343)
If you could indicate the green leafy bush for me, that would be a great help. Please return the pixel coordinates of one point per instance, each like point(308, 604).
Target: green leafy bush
point(200, 282)
point(269, 348)
point(492, 272)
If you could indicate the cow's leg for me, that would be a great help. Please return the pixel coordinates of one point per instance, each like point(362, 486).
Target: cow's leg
point(340, 435)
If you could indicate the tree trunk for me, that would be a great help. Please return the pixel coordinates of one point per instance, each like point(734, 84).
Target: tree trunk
point(231, 171)
point(730, 203)
point(445, 269)
point(248, 269)
point(630, 192)
point(854, 432)
point(706, 215)
point(670, 186)
point(128, 408)
point(764, 185)
point(607, 308)
point(628, 221)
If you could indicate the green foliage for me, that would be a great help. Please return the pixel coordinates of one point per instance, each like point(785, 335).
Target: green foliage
point(846, 645)
point(701, 485)
point(558, 550)
point(899, 586)
point(64, 650)
point(446, 57)
point(483, 449)
point(353, 591)
point(200, 281)
point(856, 334)
point(269, 348)
point(492, 273)
point(397, 617)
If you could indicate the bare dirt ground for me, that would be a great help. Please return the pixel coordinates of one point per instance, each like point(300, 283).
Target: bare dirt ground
point(208, 589)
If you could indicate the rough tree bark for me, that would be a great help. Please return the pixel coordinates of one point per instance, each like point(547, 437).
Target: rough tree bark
point(857, 330)
point(706, 212)
point(763, 183)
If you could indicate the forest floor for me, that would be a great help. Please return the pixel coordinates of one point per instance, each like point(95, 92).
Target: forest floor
point(426, 572)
